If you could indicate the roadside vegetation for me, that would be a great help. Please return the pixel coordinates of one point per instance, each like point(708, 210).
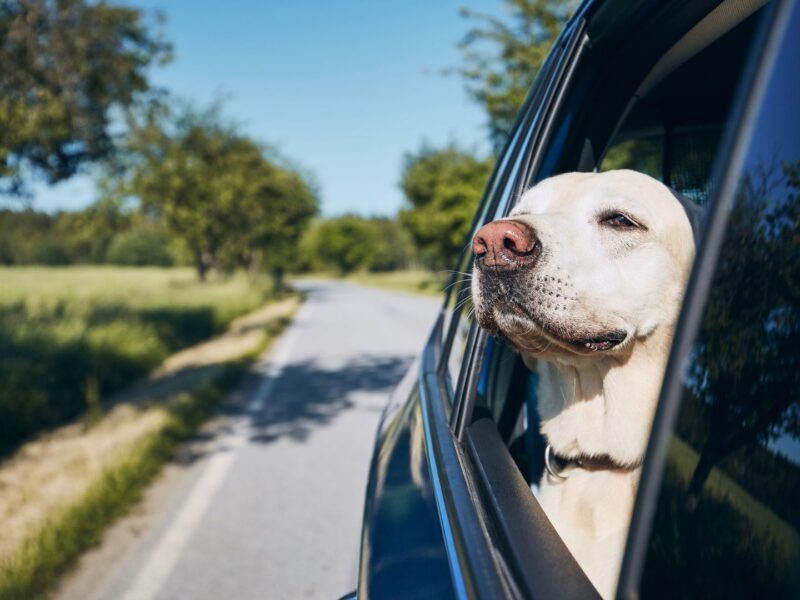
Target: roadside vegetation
point(59, 492)
point(70, 338)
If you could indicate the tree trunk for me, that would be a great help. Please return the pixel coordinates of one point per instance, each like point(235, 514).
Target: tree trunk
point(201, 266)
point(706, 462)
point(277, 279)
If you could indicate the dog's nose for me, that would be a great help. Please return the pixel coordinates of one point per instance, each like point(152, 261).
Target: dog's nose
point(504, 244)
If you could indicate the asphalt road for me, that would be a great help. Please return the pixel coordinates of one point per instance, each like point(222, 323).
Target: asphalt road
point(270, 505)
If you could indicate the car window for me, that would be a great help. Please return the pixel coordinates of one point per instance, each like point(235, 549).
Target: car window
point(692, 150)
point(670, 129)
point(727, 522)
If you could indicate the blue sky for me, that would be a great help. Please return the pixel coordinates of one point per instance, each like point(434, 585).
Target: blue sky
point(343, 88)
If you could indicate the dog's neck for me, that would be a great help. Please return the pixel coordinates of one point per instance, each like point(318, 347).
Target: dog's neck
point(603, 405)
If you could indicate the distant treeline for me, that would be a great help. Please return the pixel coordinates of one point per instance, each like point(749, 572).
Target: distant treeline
point(264, 226)
point(101, 234)
point(106, 234)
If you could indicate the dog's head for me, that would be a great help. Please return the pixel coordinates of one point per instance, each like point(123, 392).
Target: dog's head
point(586, 264)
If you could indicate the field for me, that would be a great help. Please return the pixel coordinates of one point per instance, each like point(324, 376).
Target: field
point(70, 337)
point(59, 490)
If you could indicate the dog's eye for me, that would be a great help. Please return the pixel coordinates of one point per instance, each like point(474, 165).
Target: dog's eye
point(619, 221)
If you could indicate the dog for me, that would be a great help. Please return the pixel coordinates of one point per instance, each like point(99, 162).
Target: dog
point(585, 279)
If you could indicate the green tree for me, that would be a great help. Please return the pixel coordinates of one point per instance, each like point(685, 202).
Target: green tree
point(501, 59)
point(86, 234)
point(345, 243)
point(65, 65)
point(442, 188)
point(23, 235)
point(395, 249)
point(145, 244)
point(273, 217)
point(349, 243)
point(214, 188)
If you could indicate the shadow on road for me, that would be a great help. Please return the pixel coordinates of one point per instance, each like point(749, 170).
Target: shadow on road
point(307, 395)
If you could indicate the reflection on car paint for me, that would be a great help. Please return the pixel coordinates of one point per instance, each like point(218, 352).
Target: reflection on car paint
point(402, 533)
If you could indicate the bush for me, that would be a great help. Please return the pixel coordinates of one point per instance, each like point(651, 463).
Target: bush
point(139, 247)
point(47, 252)
point(350, 243)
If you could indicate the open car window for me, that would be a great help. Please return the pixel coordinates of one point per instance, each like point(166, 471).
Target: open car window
point(672, 129)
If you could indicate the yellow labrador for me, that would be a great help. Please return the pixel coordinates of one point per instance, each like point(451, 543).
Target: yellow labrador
point(585, 278)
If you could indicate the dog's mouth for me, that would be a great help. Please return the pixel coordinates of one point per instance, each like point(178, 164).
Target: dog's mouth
point(597, 342)
point(605, 341)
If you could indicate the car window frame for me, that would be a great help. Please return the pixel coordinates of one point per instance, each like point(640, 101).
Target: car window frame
point(502, 491)
point(477, 568)
point(504, 173)
point(727, 170)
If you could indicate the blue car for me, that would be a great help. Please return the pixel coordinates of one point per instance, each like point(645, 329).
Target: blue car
point(704, 96)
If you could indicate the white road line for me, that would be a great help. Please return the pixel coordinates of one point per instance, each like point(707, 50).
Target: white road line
point(164, 556)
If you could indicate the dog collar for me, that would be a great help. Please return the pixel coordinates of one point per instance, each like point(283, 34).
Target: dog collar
point(555, 464)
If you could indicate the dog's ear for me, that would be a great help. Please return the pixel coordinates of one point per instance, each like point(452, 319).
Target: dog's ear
point(695, 212)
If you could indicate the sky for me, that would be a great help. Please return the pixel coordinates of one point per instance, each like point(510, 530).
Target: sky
point(344, 88)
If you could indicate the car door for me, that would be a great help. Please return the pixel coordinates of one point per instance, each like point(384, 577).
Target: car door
point(654, 84)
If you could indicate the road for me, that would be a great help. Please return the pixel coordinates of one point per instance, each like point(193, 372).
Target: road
point(270, 504)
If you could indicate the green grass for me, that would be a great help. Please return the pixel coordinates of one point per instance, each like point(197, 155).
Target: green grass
point(70, 337)
point(726, 544)
point(56, 546)
point(427, 283)
point(720, 486)
point(52, 548)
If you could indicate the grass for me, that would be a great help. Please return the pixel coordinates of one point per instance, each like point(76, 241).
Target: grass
point(71, 337)
point(59, 493)
point(427, 283)
point(727, 544)
point(723, 488)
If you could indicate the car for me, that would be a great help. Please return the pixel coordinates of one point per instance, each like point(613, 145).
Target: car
point(702, 95)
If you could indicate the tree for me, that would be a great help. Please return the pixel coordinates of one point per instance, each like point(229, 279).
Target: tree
point(349, 243)
point(214, 188)
point(395, 249)
point(275, 214)
point(442, 189)
point(502, 59)
point(65, 66)
point(144, 244)
point(86, 234)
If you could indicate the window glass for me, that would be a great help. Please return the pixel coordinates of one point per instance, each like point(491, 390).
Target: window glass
point(727, 522)
point(681, 158)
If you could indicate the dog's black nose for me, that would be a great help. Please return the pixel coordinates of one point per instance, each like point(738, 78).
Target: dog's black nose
point(505, 245)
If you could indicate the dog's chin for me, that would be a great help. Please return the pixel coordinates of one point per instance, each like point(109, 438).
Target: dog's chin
point(537, 336)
